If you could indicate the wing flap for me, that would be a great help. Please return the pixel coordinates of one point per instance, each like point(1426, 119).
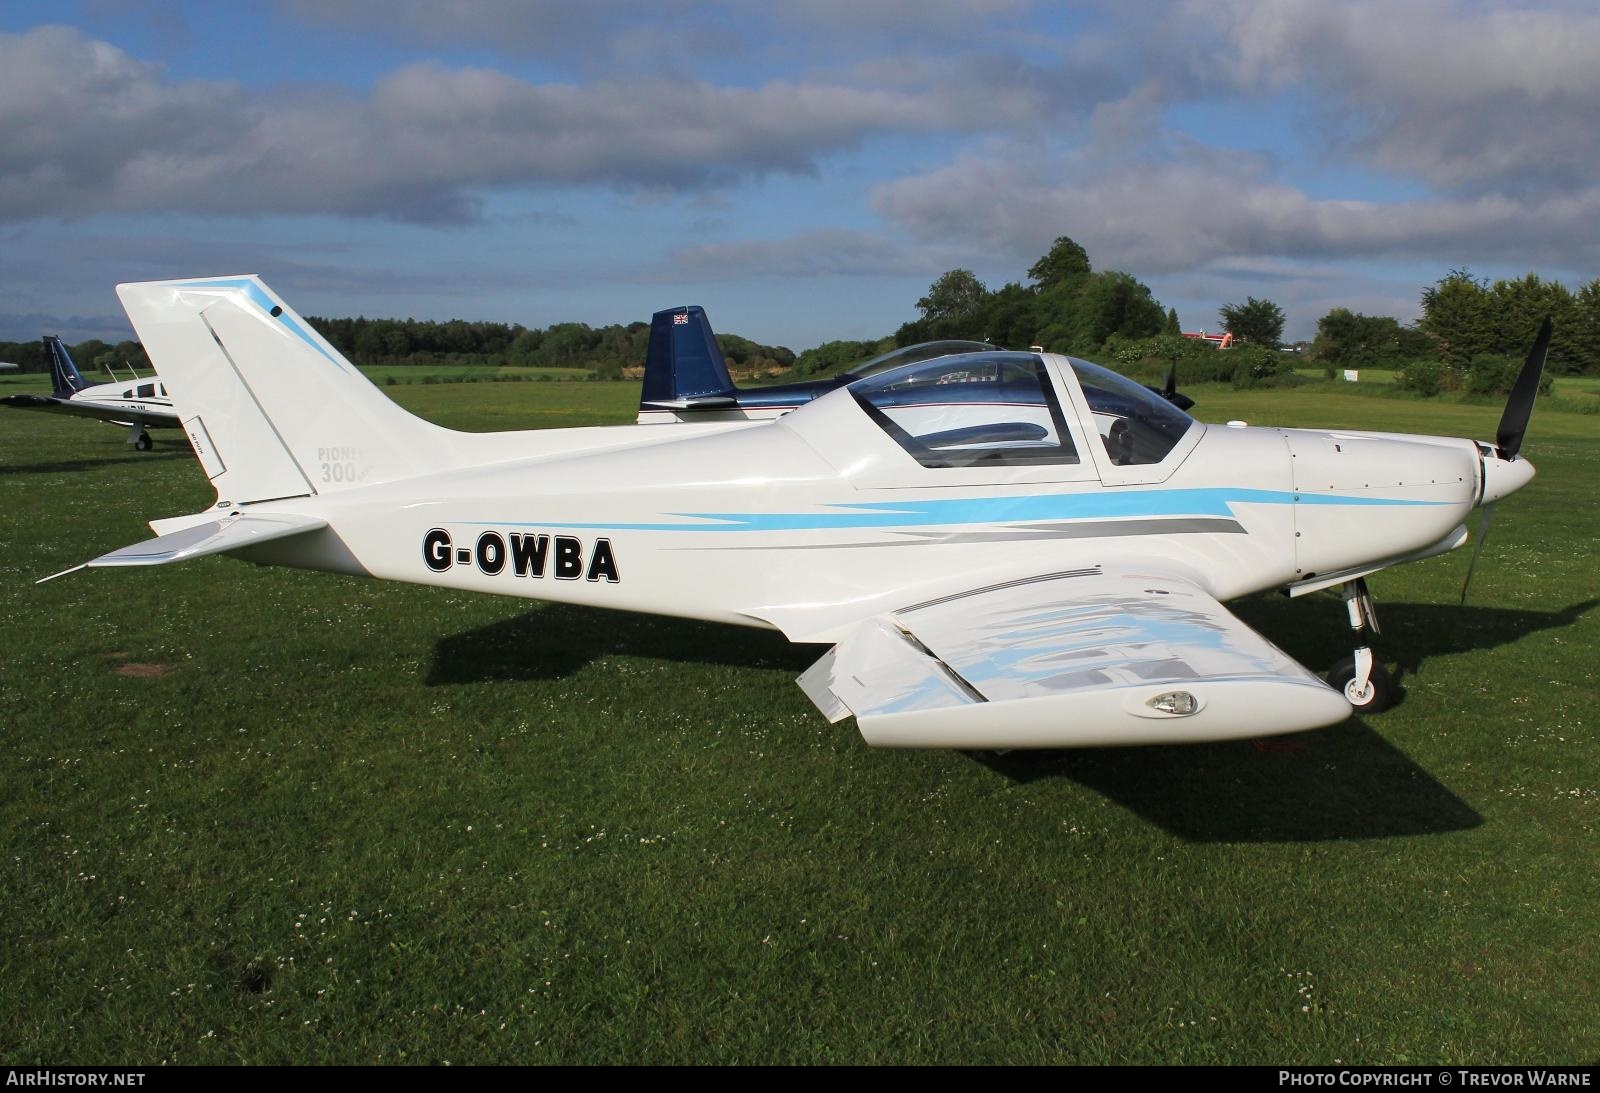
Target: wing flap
point(213, 537)
point(878, 670)
point(1082, 660)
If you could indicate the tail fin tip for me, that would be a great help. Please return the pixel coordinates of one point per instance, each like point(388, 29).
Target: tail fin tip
point(684, 363)
point(64, 375)
point(285, 413)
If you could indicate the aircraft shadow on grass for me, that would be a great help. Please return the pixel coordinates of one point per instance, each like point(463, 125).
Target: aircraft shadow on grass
point(1339, 783)
point(556, 640)
point(1343, 782)
point(1412, 632)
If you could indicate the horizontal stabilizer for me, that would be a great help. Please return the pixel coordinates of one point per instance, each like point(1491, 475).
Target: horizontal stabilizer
point(707, 402)
point(32, 402)
point(214, 537)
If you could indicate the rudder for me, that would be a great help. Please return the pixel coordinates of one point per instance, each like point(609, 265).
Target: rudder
point(65, 379)
point(684, 364)
point(272, 408)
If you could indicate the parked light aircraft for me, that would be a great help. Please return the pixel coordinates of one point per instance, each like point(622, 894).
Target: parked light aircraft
point(991, 570)
point(686, 377)
point(137, 405)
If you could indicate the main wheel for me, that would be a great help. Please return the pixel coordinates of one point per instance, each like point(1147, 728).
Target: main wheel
point(143, 443)
point(1379, 691)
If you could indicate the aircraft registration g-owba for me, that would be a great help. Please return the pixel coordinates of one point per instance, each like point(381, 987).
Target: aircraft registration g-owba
point(137, 405)
point(1004, 549)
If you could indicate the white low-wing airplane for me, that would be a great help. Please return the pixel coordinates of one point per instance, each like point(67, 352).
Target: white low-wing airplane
point(992, 568)
point(137, 405)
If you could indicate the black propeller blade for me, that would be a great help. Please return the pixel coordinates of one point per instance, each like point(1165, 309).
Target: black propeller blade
point(1519, 407)
point(1169, 390)
point(1513, 427)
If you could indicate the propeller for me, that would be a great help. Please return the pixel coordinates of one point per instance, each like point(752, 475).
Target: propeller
point(1519, 407)
point(1513, 427)
point(1169, 389)
point(1477, 548)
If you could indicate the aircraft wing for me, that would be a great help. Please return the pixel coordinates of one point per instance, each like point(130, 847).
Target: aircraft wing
point(118, 415)
point(1084, 659)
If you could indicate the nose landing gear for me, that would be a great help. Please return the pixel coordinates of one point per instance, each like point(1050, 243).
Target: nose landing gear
point(139, 440)
point(1359, 677)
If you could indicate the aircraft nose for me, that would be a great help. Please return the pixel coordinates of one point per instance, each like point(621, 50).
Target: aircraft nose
point(1503, 477)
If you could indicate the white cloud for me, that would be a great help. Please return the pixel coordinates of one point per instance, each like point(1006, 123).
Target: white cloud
point(1160, 218)
point(669, 33)
point(1467, 97)
point(86, 128)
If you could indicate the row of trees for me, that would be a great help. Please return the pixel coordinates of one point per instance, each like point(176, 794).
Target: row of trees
point(1066, 307)
point(1471, 317)
point(92, 357)
point(606, 349)
point(1465, 320)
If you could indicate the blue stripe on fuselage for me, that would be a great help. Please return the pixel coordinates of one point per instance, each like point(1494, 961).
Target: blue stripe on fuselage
point(1218, 501)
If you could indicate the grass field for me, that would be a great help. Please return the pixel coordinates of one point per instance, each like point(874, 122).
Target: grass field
point(397, 374)
point(388, 375)
point(259, 815)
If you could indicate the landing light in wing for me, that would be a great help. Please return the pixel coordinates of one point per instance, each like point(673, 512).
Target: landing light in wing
point(1176, 703)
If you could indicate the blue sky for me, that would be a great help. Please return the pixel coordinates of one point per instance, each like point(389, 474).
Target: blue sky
point(804, 170)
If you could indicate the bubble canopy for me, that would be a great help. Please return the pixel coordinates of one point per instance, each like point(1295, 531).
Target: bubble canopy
point(1137, 424)
point(911, 354)
point(1002, 408)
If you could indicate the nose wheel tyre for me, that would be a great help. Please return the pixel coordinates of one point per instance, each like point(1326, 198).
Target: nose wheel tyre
point(1377, 695)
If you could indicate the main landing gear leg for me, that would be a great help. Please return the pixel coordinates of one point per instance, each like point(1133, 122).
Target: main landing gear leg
point(139, 440)
point(1361, 679)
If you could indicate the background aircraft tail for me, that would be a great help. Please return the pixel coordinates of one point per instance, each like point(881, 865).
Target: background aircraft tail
point(684, 366)
point(65, 379)
point(272, 408)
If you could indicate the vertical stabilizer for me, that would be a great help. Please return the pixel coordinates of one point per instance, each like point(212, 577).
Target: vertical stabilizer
point(684, 365)
point(272, 408)
point(65, 379)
